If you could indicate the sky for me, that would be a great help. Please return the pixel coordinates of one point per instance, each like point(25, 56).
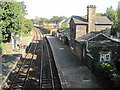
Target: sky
point(49, 8)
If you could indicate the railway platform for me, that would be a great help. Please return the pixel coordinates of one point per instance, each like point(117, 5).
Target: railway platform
point(72, 72)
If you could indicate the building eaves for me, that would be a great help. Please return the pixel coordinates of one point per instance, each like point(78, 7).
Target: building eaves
point(100, 20)
point(90, 36)
point(80, 19)
point(66, 21)
point(61, 21)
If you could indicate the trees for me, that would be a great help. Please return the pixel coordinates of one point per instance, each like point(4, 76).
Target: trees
point(12, 18)
point(10, 15)
point(113, 16)
point(26, 26)
point(1, 10)
point(41, 20)
point(56, 19)
point(99, 14)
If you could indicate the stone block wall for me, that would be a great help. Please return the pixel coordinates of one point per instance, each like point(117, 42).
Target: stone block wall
point(102, 27)
point(78, 50)
point(80, 30)
point(91, 17)
point(105, 29)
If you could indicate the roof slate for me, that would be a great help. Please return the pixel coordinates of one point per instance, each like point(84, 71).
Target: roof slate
point(99, 20)
point(61, 21)
point(91, 36)
point(80, 19)
point(102, 20)
point(66, 21)
point(103, 39)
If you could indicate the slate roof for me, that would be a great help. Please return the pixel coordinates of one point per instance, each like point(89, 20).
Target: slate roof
point(98, 39)
point(80, 19)
point(106, 43)
point(102, 20)
point(61, 21)
point(99, 20)
point(92, 35)
point(66, 21)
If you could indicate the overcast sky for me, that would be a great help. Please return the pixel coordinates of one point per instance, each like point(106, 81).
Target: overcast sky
point(49, 8)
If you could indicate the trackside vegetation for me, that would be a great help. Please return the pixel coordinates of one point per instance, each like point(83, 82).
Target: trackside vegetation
point(12, 20)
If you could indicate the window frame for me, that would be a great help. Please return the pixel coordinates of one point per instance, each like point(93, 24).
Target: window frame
point(104, 55)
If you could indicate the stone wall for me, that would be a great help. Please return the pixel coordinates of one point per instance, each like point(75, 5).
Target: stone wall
point(91, 17)
point(78, 50)
point(102, 27)
point(105, 29)
point(80, 30)
point(72, 29)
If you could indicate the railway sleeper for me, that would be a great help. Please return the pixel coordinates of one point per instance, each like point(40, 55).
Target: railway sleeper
point(22, 76)
point(46, 86)
point(18, 86)
point(26, 66)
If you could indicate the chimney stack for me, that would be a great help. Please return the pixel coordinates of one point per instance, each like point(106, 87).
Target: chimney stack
point(91, 17)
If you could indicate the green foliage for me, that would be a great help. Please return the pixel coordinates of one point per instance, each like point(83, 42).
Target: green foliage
point(114, 16)
point(1, 22)
point(12, 19)
point(1, 47)
point(108, 69)
point(99, 14)
point(27, 26)
point(111, 14)
point(56, 19)
point(41, 20)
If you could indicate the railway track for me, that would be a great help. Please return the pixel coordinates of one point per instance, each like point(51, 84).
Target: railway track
point(49, 76)
point(36, 69)
point(23, 67)
point(20, 75)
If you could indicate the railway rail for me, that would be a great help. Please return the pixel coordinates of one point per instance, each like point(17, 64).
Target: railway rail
point(20, 75)
point(37, 63)
point(49, 77)
point(24, 65)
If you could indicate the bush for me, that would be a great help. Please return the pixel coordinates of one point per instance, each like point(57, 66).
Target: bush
point(116, 80)
point(1, 47)
point(108, 69)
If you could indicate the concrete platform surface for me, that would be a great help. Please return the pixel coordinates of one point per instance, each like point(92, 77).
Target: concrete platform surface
point(72, 72)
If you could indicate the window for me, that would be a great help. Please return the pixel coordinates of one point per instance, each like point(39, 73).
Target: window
point(104, 57)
